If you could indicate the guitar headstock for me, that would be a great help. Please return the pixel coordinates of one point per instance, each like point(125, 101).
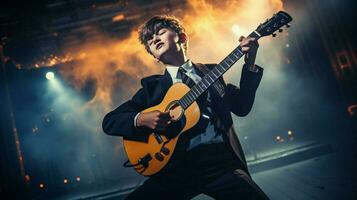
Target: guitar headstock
point(275, 23)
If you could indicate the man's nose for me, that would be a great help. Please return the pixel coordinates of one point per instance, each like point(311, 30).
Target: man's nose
point(156, 38)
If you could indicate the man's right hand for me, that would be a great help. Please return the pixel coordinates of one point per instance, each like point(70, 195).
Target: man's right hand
point(155, 120)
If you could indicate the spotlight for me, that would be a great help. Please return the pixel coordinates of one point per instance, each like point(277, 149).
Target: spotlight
point(41, 185)
point(50, 75)
point(78, 178)
point(279, 138)
point(290, 133)
point(65, 181)
point(236, 29)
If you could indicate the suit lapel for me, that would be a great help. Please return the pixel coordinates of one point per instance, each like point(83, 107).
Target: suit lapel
point(158, 87)
point(165, 82)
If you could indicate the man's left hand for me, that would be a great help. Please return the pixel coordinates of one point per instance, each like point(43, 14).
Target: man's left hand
point(249, 47)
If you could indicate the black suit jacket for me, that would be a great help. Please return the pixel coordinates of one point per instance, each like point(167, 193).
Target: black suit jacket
point(120, 122)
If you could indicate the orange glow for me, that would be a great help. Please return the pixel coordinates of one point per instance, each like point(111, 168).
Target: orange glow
point(54, 60)
point(104, 60)
point(210, 25)
point(118, 18)
point(115, 64)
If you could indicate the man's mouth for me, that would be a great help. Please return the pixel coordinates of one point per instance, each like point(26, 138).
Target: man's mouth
point(158, 46)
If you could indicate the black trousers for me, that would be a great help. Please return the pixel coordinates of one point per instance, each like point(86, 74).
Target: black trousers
point(211, 169)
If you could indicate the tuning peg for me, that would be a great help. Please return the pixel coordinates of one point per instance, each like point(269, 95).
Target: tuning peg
point(274, 34)
point(280, 30)
point(287, 25)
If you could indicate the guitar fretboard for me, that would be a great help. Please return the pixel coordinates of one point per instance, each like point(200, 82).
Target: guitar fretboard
point(211, 77)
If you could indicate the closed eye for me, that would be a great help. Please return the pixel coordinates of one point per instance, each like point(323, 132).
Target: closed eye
point(150, 40)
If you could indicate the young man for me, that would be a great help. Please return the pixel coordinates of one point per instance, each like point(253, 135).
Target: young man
point(211, 160)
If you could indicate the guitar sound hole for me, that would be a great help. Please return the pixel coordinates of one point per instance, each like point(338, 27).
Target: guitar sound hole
point(176, 111)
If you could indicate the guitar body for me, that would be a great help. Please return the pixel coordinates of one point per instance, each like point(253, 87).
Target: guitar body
point(137, 150)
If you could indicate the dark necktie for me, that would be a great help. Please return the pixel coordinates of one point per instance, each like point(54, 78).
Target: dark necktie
point(185, 79)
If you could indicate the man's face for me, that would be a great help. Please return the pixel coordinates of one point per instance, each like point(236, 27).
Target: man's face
point(163, 43)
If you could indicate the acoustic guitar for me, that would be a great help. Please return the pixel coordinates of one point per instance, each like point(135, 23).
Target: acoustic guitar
point(150, 157)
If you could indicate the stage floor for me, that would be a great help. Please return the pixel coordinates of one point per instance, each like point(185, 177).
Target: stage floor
point(311, 171)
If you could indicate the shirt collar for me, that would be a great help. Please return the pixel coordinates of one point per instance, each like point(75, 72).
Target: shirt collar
point(188, 66)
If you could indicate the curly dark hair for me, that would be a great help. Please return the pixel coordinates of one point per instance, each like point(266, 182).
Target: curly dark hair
point(155, 24)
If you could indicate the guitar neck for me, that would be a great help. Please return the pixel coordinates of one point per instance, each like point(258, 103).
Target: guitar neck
point(211, 77)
